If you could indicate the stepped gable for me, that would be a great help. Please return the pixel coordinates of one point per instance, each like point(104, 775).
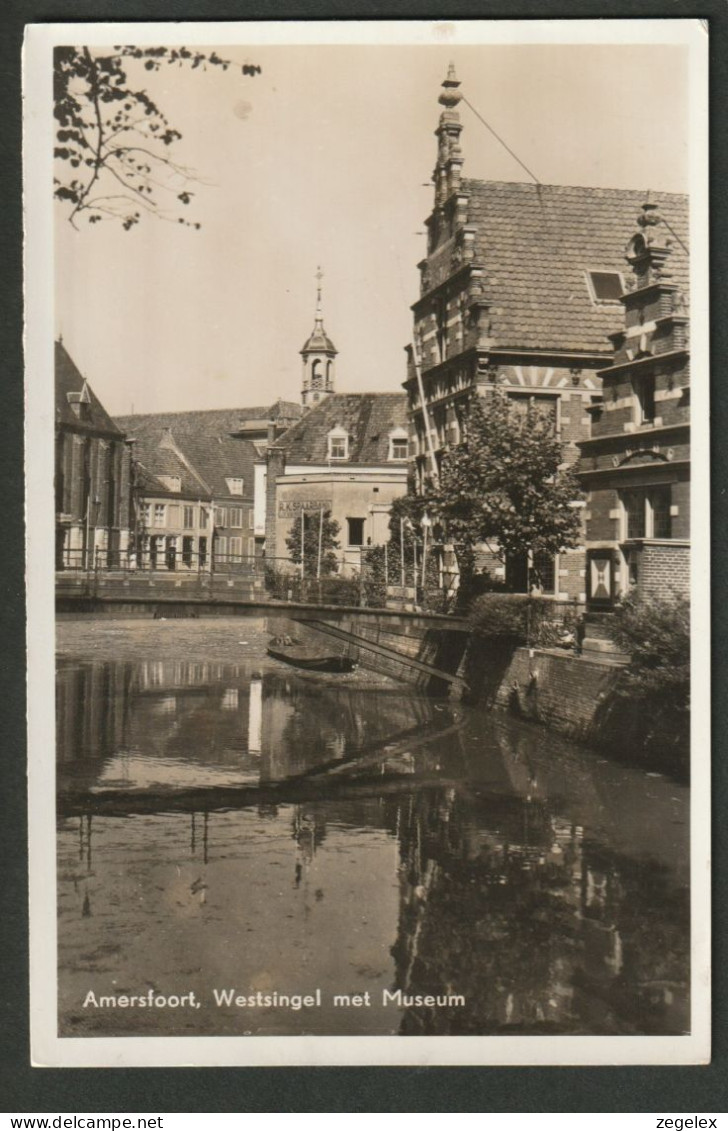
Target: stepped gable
point(369, 418)
point(536, 242)
point(69, 379)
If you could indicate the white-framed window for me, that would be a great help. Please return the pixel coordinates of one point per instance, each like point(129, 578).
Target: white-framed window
point(221, 548)
point(235, 516)
point(398, 444)
point(605, 286)
point(160, 513)
point(188, 518)
point(235, 550)
point(145, 514)
point(338, 444)
point(235, 486)
point(171, 482)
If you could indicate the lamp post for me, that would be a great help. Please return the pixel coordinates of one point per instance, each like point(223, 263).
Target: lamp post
point(426, 523)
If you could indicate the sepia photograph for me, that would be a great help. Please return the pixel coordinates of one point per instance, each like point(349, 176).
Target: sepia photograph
point(367, 556)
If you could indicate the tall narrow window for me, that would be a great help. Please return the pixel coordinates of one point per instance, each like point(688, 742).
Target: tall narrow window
point(645, 389)
point(356, 531)
point(634, 503)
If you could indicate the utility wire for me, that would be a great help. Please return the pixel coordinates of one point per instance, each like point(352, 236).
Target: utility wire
point(500, 139)
point(674, 233)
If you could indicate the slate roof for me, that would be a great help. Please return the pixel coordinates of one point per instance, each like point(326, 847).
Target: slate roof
point(210, 454)
point(536, 243)
point(368, 418)
point(69, 379)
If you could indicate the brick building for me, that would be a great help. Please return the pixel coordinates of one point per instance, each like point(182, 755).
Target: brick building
point(195, 484)
point(635, 466)
point(519, 290)
point(92, 473)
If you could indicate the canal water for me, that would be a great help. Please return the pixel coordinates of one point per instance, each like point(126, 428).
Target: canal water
point(467, 874)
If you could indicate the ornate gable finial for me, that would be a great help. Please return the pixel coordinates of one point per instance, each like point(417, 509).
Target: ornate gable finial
point(449, 155)
point(650, 247)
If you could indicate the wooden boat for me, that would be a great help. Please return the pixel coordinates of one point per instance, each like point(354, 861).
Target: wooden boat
point(302, 656)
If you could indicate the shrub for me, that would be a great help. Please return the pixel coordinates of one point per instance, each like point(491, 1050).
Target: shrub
point(656, 634)
point(508, 616)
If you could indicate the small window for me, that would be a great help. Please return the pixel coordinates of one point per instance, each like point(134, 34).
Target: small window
point(145, 513)
point(398, 444)
point(188, 517)
point(235, 516)
point(159, 514)
point(235, 486)
point(356, 531)
point(221, 545)
point(236, 550)
point(605, 286)
point(338, 444)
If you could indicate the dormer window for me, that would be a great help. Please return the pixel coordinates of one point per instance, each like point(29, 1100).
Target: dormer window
point(171, 482)
point(398, 444)
point(235, 486)
point(338, 444)
point(605, 286)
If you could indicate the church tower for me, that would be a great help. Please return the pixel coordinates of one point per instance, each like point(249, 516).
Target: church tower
point(319, 358)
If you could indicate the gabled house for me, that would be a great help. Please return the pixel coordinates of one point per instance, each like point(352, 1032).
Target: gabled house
point(635, 466)
point(347, 455)
point(195, 484)
point(519, 290)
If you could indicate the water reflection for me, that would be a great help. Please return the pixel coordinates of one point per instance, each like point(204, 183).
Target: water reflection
point(542, 888)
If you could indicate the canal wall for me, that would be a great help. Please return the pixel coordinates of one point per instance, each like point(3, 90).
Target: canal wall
point(565, 692)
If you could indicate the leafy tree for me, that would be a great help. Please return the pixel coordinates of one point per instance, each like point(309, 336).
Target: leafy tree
point(506, 485)
point(312, 534)
point(113, 142)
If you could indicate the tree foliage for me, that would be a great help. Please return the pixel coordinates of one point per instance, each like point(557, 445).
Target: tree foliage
point(318, 530)
point(506, 485)
point(113, 143)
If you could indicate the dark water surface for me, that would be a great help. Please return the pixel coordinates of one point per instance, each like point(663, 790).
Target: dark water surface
point(526, 884)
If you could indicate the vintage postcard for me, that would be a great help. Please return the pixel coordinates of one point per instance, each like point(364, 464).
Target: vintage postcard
point(366, 542)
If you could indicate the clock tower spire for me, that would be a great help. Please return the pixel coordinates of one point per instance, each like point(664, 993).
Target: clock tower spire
point(319, 357)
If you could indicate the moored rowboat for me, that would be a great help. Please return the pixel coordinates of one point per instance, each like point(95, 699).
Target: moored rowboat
point(301, 656)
